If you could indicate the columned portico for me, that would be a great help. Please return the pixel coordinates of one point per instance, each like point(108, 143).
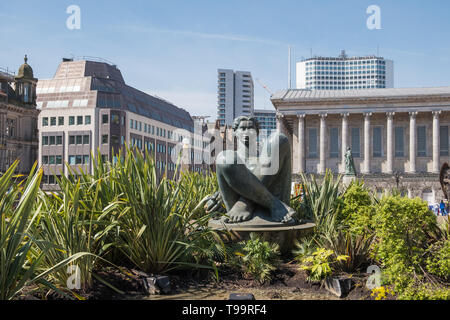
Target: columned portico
point(366, 167)
point(390, 142)
point(323, 143)
point(436, 142)
point(412, 142)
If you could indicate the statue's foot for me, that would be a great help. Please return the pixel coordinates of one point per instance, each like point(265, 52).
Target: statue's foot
point(282, 212)
point(241, 211)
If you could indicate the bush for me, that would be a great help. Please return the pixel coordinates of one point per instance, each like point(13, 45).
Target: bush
point(319, 264)
point(260, 258)
point(402, 229)
point(357, 209)
point(438, 261)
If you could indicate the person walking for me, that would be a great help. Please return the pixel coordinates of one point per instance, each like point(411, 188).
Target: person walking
point(442, 208)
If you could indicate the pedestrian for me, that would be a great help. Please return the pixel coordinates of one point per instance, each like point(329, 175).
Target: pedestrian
point(442, 207)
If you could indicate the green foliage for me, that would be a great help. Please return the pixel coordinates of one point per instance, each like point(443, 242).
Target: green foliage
point(356, 247)
point(403, 228)
point(17, 216)
point(357, 209)
point(75, 221)
point(260, 258)
point(438, 261)
point(319, 264)
point(158, 229)
point(321, 201)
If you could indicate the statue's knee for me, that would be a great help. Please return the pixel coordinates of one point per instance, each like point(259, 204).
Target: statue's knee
point(281, 141)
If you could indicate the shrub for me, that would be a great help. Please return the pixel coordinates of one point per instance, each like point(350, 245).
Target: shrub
point(357, 209)
point(402, 229)
point(260, 258)
point(438, 261)
point(319, 264)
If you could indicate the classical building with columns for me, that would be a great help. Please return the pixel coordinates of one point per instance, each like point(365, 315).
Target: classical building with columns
point(399, 136)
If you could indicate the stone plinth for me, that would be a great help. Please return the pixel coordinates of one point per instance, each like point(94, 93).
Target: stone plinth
point(284, 234)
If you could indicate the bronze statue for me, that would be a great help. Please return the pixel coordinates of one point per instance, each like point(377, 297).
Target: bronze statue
point(349, 164)
point(251, 183)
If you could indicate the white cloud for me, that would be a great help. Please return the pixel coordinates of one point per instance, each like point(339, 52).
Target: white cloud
point(197, 103)
point(230, 37)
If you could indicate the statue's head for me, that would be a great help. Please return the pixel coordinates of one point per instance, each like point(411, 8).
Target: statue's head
point(245, 128)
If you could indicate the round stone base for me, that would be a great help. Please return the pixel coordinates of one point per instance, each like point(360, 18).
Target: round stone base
point(276, 232)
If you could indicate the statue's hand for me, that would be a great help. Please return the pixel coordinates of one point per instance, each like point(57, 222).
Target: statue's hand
point(215, 203)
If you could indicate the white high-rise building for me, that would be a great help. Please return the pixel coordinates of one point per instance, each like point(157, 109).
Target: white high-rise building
point(234, 95)
point(345, 73)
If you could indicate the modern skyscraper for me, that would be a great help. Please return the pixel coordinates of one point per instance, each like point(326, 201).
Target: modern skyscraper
point(234, 95)
point(345, 73)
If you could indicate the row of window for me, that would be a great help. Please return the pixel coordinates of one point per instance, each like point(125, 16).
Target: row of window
point(54, 121)
point(366, 68)
point(343, 78)
point(377, 145)
point(345, 88)
point(52, 140)
point(348, 62)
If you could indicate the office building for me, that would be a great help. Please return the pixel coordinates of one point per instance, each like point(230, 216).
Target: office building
point(234, 95)
point(87, 106)
point(345, 73)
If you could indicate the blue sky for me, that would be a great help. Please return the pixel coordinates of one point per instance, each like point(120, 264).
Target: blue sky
point(174, 48)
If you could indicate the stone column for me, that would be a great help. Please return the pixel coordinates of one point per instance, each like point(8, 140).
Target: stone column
point(280, 124)
point(412, 142)
point(390, 142)
point(436, 142)
point(344, 139)
point(301, 143)
point(366, 167)
point(323, 143)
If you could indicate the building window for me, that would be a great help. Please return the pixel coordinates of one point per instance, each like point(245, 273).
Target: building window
point(44, 121)
point(53, 121)
point(443, 136)
point(115, 119)
point(377, 145)
point(312, 143)
point(79, 120)
point(60, 121)
point(52, 140)
point(104, 118)
point(104, 139)
point(86, 139)
point(72, 160)
point(87, 119)
point(44, 159)
point(59, 140)
point(58, 159)
point(334, 143)
point(45, 140)
point(71, 120)
point(355, 143)
point(421, 141)
point(399, 142)
point(79, 139)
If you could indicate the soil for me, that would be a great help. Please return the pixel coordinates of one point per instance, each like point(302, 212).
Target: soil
point(288, 283)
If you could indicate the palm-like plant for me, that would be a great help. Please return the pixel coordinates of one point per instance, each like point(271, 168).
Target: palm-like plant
point(17, 216)
point(320, 201)
point(159, 231)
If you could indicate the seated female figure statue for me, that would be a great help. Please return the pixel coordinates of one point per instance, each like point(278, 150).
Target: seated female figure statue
point(248, 180)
